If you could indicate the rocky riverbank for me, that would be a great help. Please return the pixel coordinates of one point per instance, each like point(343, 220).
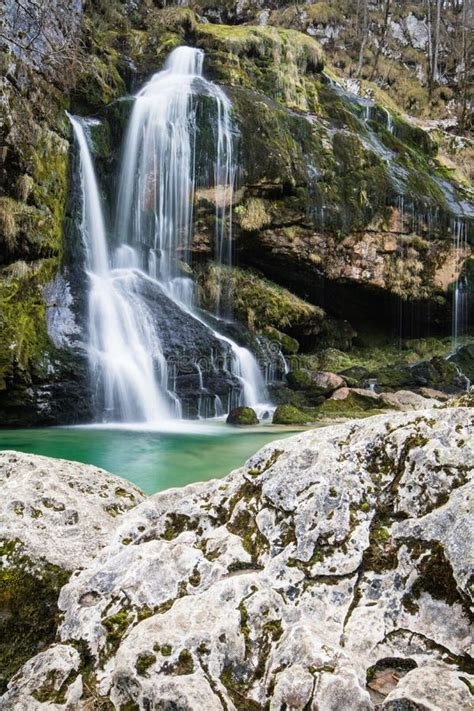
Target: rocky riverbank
point(333, 570)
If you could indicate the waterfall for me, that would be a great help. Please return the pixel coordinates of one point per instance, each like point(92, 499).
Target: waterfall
point(157, 185)
point(123, 348)
point(158, 177)
point(152, 241)
point(460, 295)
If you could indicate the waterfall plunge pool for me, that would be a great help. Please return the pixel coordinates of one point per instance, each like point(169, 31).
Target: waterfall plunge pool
point(154, 460)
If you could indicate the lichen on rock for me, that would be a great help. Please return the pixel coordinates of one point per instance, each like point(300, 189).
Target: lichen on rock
point(55, 516)
point(326, 559)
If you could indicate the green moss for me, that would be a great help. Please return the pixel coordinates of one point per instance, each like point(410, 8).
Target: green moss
point(175, 524)
point(185, 664)
point(435, 575)
point(242, 416)
point(299, 379)
point(53, 689)
point(274, 629)
point(242, 520)
point(381, 554)
point(289, 415)
point(257, 302)
point(280, 63)
point(353, 406)
point(28, 607)
point(99, 79)
point(23, 333)
point(244, 525)
point(144, 662)
point(49, 190)
point(116, 625)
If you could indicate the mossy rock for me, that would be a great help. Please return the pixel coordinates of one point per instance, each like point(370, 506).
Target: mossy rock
point(299, 379)
point(353, 406)
point(242, 416)
point(280, 63)
point(289, 346)
point(464, 359)
point(28, 607)
point(439, 373)
point(280, 394)
point(23, 334)
point(259, 303)
point(355, 376)
point(289, 415)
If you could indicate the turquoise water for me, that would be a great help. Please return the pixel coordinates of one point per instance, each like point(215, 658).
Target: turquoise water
point(152, 460)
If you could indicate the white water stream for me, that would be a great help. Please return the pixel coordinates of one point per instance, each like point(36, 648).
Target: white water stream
point(153, 235)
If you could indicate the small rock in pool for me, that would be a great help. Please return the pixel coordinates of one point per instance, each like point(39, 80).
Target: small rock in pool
point(242, 416)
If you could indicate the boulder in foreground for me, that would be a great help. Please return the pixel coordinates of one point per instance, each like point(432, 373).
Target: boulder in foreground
point(332, 571)
point(55, 515)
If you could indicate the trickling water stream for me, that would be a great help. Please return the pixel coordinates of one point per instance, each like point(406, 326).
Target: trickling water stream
point(460, 295)
point(152, 236)
point(123, 349)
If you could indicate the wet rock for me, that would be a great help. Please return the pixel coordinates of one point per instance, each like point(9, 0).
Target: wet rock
point(289, 346)
point(440, 373)
point(407, 400)
point(464, 359)
point(317, 383)
point(355, 376)
point(289, 415)
point(242, 416)
point(260, 304)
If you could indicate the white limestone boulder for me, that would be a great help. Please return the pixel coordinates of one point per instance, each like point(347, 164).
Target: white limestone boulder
point(328, 573)
point(54, 517)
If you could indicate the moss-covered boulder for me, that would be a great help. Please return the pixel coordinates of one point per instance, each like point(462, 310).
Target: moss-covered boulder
point(260, 304)
point(440, 373)
point(316, 383)
point(464, 360)
point(289, 346)
point(242, 416)
point(289, 415)
point(351, 402)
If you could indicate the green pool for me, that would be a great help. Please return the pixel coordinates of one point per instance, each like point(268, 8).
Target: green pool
point(151, 459)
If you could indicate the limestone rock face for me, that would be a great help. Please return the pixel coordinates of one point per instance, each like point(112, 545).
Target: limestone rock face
point(60, 511)
point(55, 515)
point(327, 559)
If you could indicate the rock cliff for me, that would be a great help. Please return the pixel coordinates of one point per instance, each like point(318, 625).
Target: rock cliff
point(350, 205)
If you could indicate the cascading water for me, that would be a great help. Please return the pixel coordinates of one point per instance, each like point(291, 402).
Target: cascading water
point(153, 234)
point(123, 348)
point(460, 295)
point(157, 185)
